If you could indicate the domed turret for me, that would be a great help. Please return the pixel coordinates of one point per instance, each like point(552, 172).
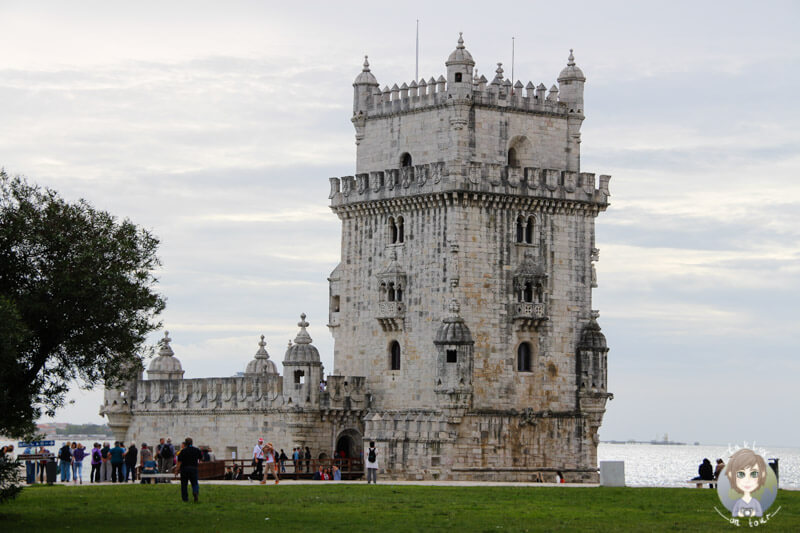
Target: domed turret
point(302, 351)
point(261, 364)
point(303, 367)
point(166, 365)
point(363, 87)
point(592, 338)
point(570, 86)
point(459, 71)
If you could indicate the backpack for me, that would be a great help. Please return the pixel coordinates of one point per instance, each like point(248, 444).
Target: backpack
point(371, 456)
point(166, 451)
point(96, 456)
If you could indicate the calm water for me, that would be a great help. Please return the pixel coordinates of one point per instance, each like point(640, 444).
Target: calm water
point(652, 465)
point(649, 465)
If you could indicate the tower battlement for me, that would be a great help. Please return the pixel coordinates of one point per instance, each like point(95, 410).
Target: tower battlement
point(529, 182)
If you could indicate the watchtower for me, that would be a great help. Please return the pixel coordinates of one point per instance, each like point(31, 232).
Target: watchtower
point(464, 289)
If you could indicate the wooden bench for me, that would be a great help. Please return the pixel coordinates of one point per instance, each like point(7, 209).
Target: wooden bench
point(157, 476)
point(700, 482)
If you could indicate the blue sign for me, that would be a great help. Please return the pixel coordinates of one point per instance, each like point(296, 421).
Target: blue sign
point(36, 443)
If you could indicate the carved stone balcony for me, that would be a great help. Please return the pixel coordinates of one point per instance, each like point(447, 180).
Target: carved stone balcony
point(390, 315)
point(528, 315)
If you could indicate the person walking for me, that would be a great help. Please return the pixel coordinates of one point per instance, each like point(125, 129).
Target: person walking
point(188, 460)
point(272, 463)
point(131, 454)
point(78, 454)
point(372, 463)
point(258, 459)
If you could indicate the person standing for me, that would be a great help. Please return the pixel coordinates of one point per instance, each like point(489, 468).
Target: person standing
point(308, 459)
point(105, 464)
point(94, 477)
point(116, 457)
point(78, 454)
point(372, 463)
point(30, 467)
point(65, 456)
point(296, 459)
point(188, 460)
point(258, 459)
point(159, 460)
point(131, 454)
point(283, 460)
point(167, 456)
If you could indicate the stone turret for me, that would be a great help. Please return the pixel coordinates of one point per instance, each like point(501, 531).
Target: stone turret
point(459, 71)
point(166, 365)
point(303, 368)
point(261, 365)
point(570, 85)
point(454, 360)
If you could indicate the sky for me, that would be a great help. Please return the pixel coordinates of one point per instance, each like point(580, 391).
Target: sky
point(217, 125)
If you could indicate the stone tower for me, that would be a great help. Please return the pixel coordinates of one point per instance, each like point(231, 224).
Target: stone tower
point(463, 295)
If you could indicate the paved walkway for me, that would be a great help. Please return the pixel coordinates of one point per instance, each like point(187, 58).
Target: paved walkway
point(362, 482)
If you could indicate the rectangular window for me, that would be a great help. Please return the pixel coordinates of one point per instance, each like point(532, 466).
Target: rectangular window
point(452, 356)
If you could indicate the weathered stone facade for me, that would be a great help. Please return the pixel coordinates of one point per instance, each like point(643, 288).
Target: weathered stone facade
point(462, 300)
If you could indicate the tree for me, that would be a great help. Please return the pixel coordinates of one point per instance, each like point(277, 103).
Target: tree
point(76, 300)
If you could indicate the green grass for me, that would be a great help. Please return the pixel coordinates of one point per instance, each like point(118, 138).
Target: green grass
point(357, 508)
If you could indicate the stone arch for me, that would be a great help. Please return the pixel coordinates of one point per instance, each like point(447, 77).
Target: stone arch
point(405, 159)
point(394, 355)
point(351, 442)
point(521, 148)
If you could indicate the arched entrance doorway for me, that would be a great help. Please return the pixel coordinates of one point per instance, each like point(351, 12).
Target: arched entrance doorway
point(349, 443)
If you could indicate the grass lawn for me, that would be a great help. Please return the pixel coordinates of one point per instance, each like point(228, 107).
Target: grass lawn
point(357, 508)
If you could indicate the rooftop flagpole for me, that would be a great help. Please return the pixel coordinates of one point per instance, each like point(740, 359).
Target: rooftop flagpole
point(512, 62)
point(416, 65)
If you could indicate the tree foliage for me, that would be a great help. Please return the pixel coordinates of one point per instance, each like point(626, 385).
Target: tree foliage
point(76, 300)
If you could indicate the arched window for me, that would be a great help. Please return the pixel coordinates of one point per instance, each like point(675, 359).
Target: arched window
point(527, 294)
point(513, 161)
point(529, 231)
point(392, 231)
point(405, 160)
point(401, 237)
point(524, 357)
point(520, 229)
point(398, 293)
point(394, 355)
point(391, 293)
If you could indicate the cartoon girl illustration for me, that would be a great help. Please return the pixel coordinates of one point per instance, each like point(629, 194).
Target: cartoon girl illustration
point(747, 472)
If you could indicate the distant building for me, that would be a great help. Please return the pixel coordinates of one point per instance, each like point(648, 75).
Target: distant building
point(465, 342)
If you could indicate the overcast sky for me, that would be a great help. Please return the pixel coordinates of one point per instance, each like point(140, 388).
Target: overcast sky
point(216, 125)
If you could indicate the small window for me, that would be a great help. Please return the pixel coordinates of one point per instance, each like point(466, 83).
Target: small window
point(392, 230)
point(401, 237)
point(529, 231)
point(391, 293)
point(299, 377)
point(335, 303)
point(452, 356)
point(458, 77)
point(398, 294)
point(513, 161)
point(524, 357)
point(527, 293)
point(394, 355)
point(405, 160)
point(520, 230)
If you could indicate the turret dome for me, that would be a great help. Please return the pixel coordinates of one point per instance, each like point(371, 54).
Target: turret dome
point(261, 364)
point(571, 71)
point(592, 338)
point(302, 351)
point(460, 56)
point(166, 365)
point(453, 329)
point(365, 77)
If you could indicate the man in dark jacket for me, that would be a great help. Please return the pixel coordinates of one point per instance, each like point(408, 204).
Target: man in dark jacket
point(131, 454)
point(188, 460)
